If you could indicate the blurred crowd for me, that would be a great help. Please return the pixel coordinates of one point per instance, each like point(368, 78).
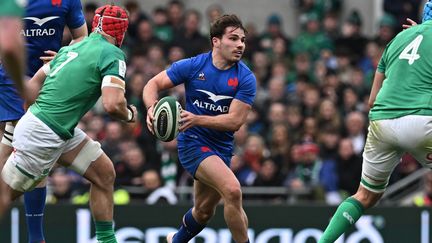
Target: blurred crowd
point(308, 125)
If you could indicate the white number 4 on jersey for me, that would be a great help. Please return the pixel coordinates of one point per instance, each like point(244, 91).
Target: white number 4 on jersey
point(410, 51)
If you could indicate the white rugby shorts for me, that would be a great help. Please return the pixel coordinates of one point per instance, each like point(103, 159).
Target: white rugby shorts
point(388, 140)
point(36, 149)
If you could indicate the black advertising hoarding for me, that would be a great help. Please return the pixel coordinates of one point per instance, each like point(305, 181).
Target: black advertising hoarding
point(267, 224)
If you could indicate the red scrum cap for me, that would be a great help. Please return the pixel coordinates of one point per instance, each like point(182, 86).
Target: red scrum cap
point(113, 20)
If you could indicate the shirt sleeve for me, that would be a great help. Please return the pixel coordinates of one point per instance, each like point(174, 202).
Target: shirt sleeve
point(382, 63)
point(75, 16)
point(112, 63)
point(247, 89)
point(179, 71)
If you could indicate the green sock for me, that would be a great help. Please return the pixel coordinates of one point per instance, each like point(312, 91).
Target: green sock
point(348, 212)
point(105, 232)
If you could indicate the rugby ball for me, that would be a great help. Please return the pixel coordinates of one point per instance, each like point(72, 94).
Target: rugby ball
point(166, 118)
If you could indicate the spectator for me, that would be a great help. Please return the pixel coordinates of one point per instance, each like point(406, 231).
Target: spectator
point(175, 53)
point(387, 29)
point(403, 9)
point(331, 25)
point(242, 171)
point(162, 29)
point(310, 101)
point(114, 134)
point(252, 41)
point(349, 166)
point(328, 115)
point(306, 174)
point(254, 152)
point(351, 40)
point(269, 176)
point(61, 187)
point(276, 114)
point(135, 17)
point(279, 146)
point(145, 37)
point(189, 37)
point(355, 125)
point(311, 40)
point(294, 120)
point(273, 31)
point(130, 169)
point(175, 14)
point(329, 139)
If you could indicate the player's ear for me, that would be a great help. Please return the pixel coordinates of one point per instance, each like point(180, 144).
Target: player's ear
point(215, 41)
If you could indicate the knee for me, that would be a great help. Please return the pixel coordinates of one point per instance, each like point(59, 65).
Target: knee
point(106, 177)
point(232, 193)
point(204, 214)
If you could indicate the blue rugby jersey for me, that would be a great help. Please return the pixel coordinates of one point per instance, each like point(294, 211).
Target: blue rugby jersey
point(210, 91)
point(44, 22)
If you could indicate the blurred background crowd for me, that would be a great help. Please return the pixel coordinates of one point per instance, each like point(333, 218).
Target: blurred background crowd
point(304, 138)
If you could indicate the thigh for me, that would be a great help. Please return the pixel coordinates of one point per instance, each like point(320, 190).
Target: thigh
point(36, 146)
point(80, 153)
point(422, 151)
point(73, 147)
point(192, 156)
point(92, 162)
point(101, 172)
point(213, 172)
point(380, 156)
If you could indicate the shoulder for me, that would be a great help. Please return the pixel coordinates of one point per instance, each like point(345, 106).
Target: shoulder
point(242, 66)
point(73, 2)
point(244, 71)
point(195, 62)
point(201, 58)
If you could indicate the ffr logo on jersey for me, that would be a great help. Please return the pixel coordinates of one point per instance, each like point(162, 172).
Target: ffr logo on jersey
point(215, 98)
point(31, 32)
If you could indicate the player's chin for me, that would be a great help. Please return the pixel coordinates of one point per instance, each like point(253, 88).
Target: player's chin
point(236, 58)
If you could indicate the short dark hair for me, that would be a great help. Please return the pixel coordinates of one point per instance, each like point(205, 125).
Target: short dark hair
point(217, 28)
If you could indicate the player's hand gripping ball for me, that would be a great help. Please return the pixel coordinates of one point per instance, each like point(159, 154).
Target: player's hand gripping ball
point(166, 120)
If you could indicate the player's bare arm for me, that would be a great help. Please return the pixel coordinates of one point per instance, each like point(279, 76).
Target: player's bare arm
point(12, 51)
point(231, 121)
point(77, 35)
point(150, 94)
point(114, 101)
point(35, 84)
point(376, 86)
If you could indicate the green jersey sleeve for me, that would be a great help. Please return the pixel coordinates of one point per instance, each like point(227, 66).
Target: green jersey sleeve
point(12, 7)
point(382, 63)
point(112, 62)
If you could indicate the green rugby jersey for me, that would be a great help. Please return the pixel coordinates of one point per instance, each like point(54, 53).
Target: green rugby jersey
point(12, 7)
point(407, 65)
point(73, 84)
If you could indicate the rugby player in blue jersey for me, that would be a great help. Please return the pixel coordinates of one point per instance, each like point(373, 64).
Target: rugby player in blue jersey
point(220, 90)
point(44, 21)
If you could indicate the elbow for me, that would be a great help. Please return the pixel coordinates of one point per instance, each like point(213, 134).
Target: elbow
point(235, 126)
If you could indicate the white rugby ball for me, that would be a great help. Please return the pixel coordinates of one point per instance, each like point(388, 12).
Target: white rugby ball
point(166, 120)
